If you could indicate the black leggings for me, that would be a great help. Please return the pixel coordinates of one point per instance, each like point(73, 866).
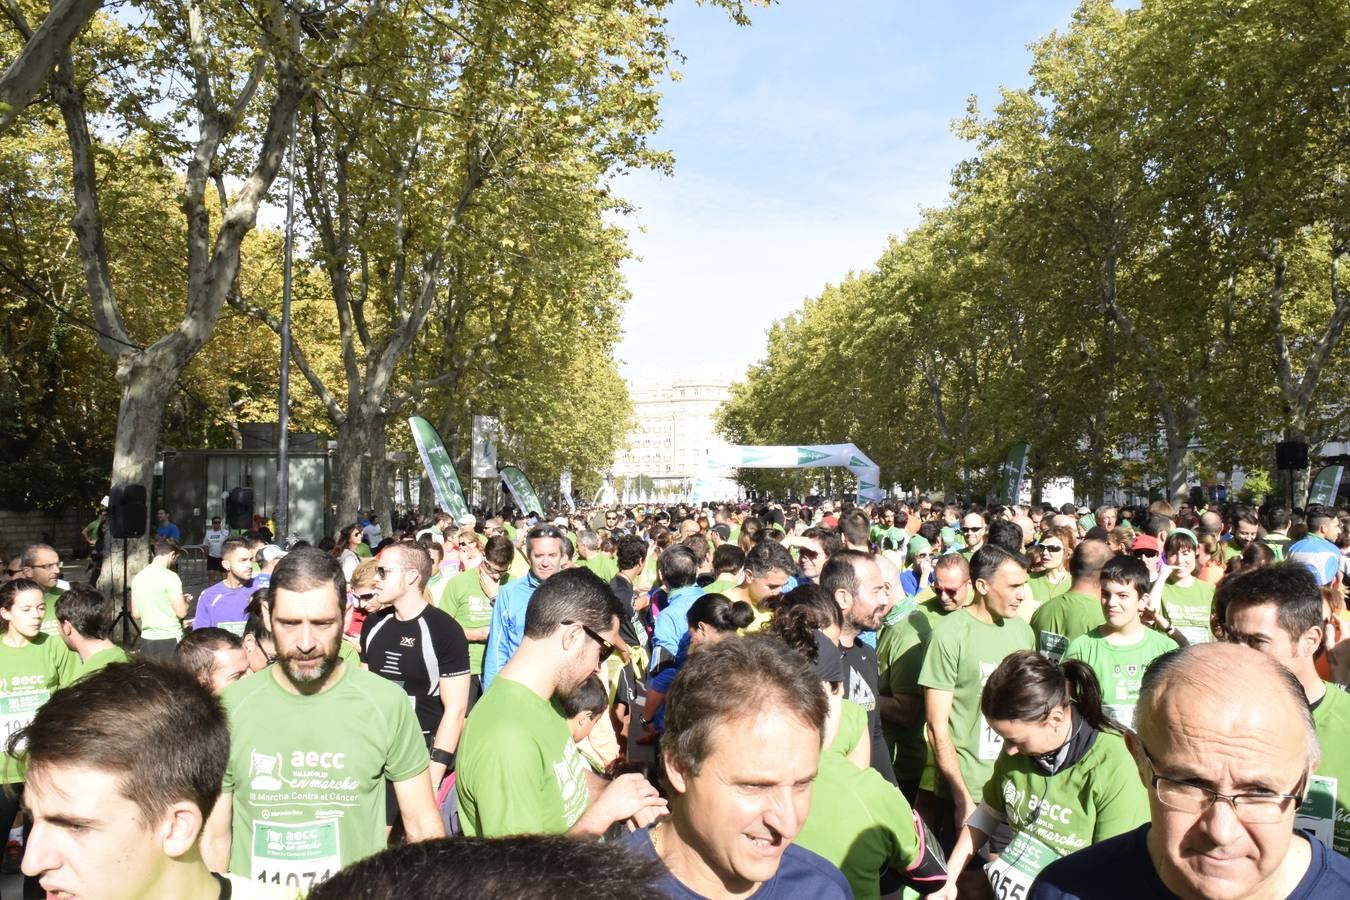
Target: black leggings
point(11, 796)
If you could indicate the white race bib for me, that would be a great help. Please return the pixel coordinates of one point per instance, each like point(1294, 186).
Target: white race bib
point(1318, 812)
point(296, 856)
point(991, 742)
point(17, 711)
point(1196, 634)
point(1017, 866)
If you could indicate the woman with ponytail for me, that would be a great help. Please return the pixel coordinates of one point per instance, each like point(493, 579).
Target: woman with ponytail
point(1063, 781)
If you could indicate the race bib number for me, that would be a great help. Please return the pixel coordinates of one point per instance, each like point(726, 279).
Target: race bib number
point(1318, 812)
point(991, 742)
point(1196, 634)
point(1016, 868)
point(1123, 713)
point(17, 711)
point(1053, 645)
point(297, 856)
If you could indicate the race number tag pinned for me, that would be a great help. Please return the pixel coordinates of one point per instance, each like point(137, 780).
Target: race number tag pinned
point(1318, 812)
point(296, 856)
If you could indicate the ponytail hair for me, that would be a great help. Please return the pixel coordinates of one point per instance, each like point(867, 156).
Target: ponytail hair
point(720, 614)
point(800, 613)
point(1027, 687)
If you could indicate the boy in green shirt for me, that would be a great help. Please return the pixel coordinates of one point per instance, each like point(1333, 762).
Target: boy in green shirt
point(1120, 649)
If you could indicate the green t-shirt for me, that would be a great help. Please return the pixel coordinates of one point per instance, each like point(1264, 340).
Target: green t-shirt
point(435, 591)
point(1096, 798)
point(1043, 591)
point(363, 550)
point(723, 584)
point(1331, 823)
point(852, 724)
point(602, 564)
point(859, 822)
point(28, 676)
point(1119, 667)
point(518, 771)
point(154, 589)
point(1189, 608)
point(102, 658)
point(1064, 618)
point(308, 773)
point(465, 601)
point(962, 653)
point(900, 652)
point(50, 625)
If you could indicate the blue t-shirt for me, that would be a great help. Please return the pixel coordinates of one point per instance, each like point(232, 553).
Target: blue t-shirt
point(1120, 868)
point(507, 629)
point(169, 531)
point(801, 873)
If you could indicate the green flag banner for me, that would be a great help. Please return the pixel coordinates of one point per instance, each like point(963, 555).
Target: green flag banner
point(792, 456)
point(1326, 485)
point(1010, 478)
point(527, 501)
point(441, 472)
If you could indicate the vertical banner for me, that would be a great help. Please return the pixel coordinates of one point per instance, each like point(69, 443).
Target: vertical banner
point(1010, 478)
point(485, 430)
point(527, 501)
point(565, 488)
point(1326, 485)
point(440, 471)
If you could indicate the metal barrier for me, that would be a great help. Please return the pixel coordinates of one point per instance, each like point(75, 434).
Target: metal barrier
point(192, 569)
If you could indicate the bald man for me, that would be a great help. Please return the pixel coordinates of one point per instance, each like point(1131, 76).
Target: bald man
point(1225, 745)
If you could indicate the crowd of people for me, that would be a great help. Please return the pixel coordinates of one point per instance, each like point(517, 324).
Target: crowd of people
point(785, 700)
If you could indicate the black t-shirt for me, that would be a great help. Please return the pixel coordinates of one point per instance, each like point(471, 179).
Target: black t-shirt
point(631, 628)
point(416, 655)
point(860, 686)
point(1120, 868)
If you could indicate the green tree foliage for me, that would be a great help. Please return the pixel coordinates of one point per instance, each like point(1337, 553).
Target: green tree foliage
point(1144, 255)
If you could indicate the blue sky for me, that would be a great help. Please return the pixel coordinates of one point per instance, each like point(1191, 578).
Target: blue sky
point(801, 143)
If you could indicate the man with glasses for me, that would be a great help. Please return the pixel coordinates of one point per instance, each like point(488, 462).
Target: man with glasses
point(1278, 610)
point(973, 532)
point(544, 553)
point(518, 769)
point(1225, 744)
point(42, 564)
point(421, 649)
point(469, 597)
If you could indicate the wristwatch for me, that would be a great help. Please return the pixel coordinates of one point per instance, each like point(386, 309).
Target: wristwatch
point(444, 757)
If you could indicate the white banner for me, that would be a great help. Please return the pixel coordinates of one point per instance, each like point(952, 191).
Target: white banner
point(485, 447)
point(848, 456)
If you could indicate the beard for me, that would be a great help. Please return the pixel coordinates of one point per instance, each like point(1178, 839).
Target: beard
point(307, 680)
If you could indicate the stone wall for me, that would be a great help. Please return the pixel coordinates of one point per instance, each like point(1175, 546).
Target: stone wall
point(60, 529)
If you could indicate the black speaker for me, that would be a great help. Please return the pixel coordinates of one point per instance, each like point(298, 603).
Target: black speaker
point(239, 508)
point(1291, 455)
point(127, 512)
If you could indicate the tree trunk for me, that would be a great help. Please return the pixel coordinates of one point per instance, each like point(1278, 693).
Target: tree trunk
point(1178, 453)
point(380, 498)
point(146, 380)
point(353, 445)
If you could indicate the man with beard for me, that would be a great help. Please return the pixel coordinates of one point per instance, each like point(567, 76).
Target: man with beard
point(518, 770)
point(313, 741)
point(854, 581)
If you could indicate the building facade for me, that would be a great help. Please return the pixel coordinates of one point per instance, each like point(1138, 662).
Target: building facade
point(671, 439)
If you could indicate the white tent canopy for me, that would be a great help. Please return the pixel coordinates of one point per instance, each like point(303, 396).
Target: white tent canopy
point(809, 456)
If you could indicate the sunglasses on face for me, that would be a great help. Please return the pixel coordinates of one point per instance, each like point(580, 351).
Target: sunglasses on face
point(1146, 553)
point(606, 648)
point(364, 596)
point(972, 530)
point(806, 553)
point(1052, 548)
point(14, 573)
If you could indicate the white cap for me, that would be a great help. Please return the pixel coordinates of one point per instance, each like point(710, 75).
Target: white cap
point(271, 553)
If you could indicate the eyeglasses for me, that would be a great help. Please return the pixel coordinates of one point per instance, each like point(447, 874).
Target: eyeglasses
point(50, 565)
point(491, 571)
point(1052, 548)
point(606, 648)
point(1251, 809)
